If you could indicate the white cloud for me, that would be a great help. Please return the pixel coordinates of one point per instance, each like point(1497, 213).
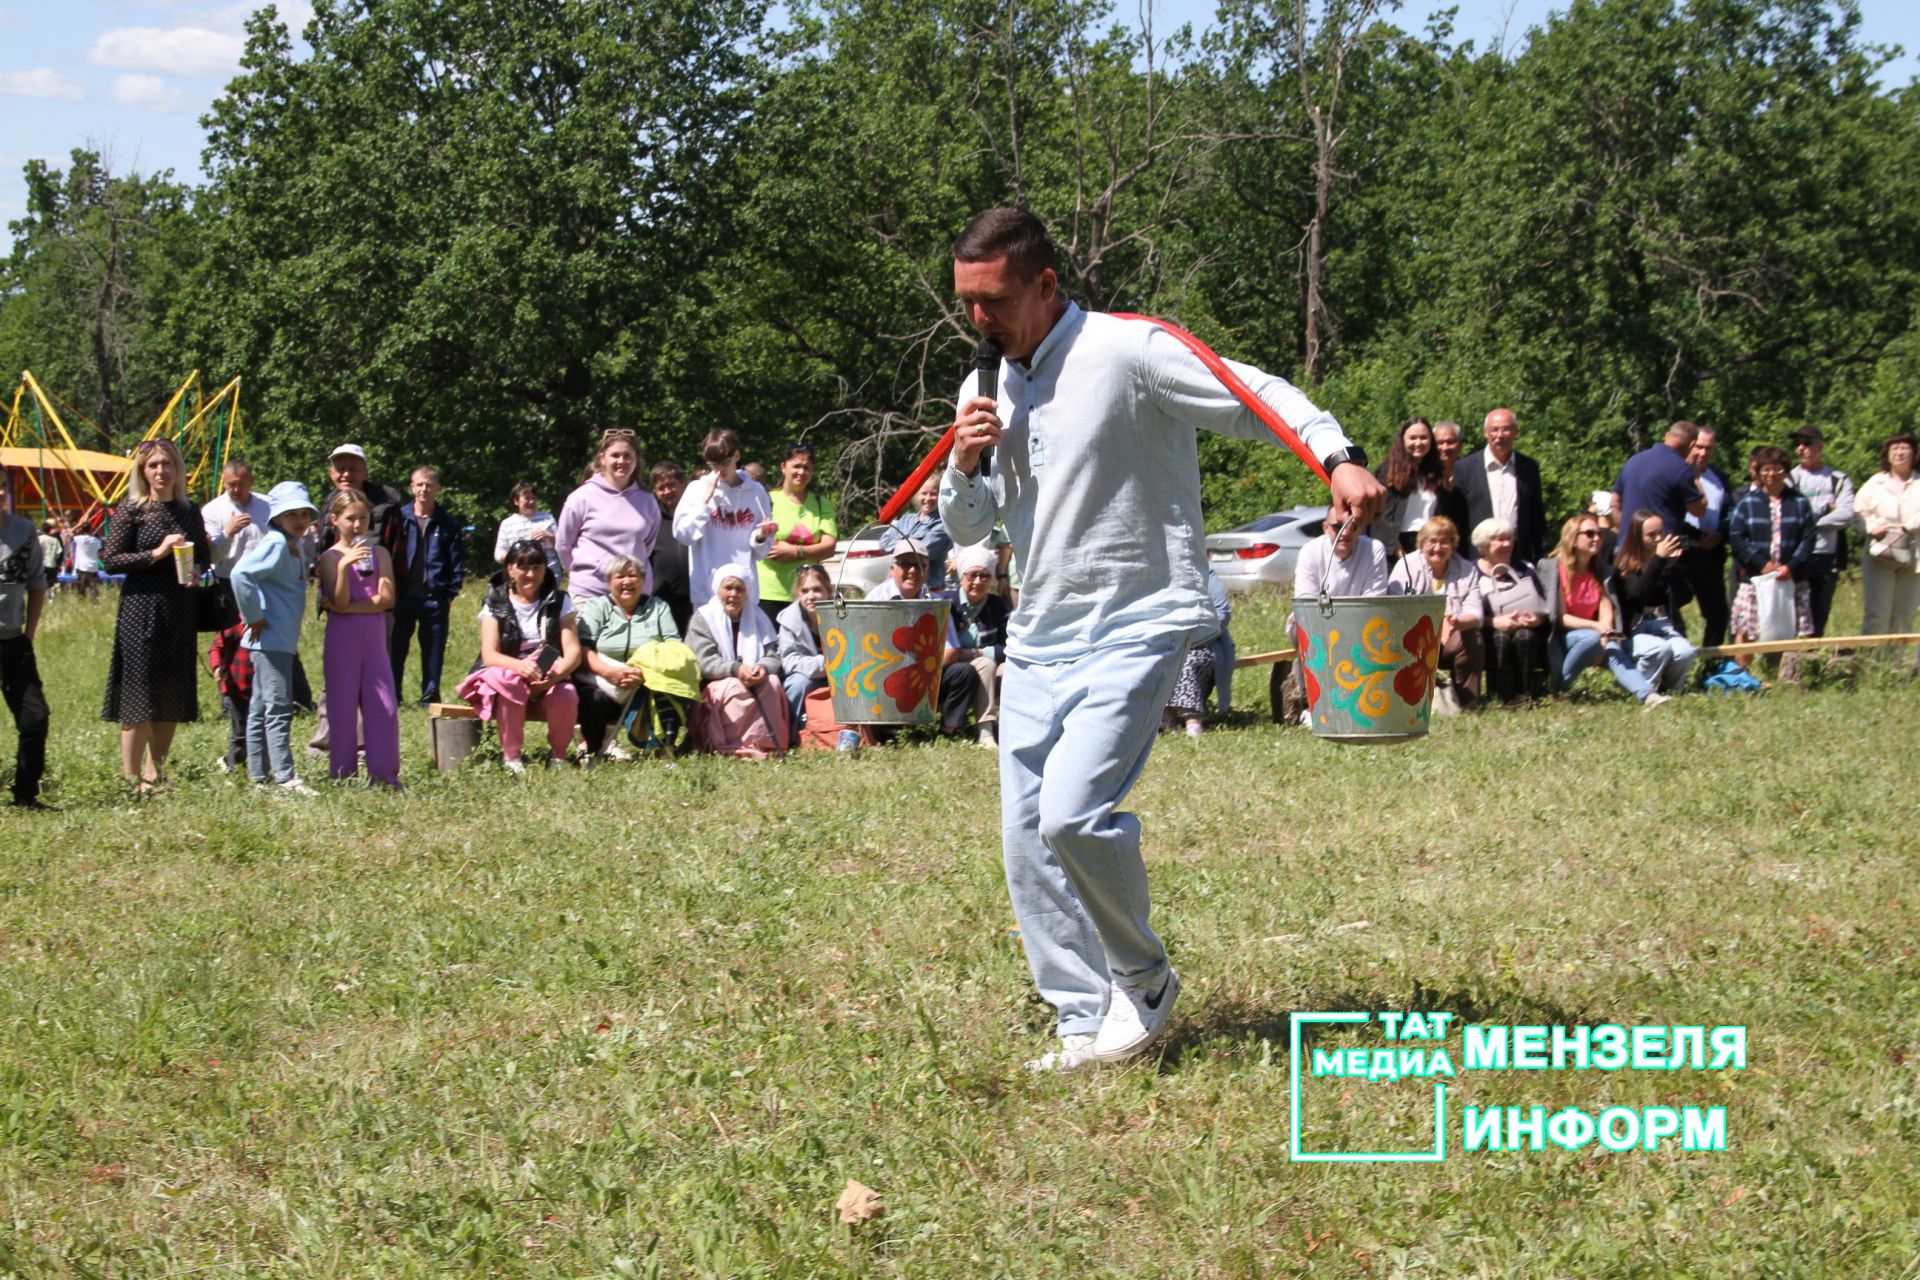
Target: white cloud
point(185, 51)
point(40, 83)
point(149, 93)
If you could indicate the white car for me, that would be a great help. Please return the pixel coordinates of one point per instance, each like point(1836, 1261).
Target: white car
point(1262, 553)
point(859, 565)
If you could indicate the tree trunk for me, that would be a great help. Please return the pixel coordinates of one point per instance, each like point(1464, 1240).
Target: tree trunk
point(103, 356)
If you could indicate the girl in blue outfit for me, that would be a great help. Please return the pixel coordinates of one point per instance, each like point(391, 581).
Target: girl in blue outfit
point(270, 586)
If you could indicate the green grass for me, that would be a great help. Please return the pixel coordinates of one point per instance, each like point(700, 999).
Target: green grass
point(649, 1021)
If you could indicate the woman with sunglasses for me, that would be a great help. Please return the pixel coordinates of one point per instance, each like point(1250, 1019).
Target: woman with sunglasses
point(610, 514)
point(153, 681)
point(804, 530)
point(1585, 616)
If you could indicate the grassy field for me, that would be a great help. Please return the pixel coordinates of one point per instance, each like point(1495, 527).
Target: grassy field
point(650, 1021)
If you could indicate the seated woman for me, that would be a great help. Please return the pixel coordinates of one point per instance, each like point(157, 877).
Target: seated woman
point(1517, 618)
point(798, 636)
point(612, 627)
point(528, 651)
point(1208, 668)
point(1651, 586)
point(1585, 616)
point(1437, 569)
point(741, 711)
point(976, 649)
point(1770, 528)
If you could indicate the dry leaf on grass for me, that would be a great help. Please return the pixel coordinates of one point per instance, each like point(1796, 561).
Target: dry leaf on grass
point(859, 1203)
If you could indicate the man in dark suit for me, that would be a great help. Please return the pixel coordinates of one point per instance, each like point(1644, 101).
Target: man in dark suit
point(1705, 558)
point(1498, 481)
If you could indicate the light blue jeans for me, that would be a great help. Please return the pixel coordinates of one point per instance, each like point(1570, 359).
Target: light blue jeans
point(1574, 650)
point(796, 687)
point(1662, 655)
point(270, 717)
point(1074, 737)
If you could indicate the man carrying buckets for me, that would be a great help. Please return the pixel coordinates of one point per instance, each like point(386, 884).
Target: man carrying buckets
point(1095, 471)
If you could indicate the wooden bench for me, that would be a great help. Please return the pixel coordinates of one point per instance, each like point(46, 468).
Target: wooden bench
point(1278, 658)
point(1796, 645)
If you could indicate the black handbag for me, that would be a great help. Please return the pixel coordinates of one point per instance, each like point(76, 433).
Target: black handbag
point(214, 608)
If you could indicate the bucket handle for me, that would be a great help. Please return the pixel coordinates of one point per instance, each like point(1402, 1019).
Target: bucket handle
point(1326, 595)
point(839, 601)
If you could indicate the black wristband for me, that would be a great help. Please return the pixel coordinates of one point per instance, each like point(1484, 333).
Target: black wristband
point(1352, 453)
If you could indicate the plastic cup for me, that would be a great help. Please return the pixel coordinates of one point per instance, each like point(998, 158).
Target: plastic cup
point(183, 564)
point(365, 567)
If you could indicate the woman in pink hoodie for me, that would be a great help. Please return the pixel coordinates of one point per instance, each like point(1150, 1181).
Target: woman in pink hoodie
point(610, 515)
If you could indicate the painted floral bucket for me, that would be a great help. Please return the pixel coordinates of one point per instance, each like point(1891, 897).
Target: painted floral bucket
point(883, 659)
point(1369, 664)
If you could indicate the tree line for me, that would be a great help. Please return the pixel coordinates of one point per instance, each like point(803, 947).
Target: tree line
point(473, 233)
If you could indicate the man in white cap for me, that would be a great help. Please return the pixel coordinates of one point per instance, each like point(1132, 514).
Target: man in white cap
point(907, 579)
point(1096, 472)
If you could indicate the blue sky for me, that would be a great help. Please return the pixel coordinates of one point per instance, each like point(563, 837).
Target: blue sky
point(132, 77)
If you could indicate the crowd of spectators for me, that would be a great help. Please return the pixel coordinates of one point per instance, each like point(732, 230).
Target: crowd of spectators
point(1522, 620)
point(667, 612)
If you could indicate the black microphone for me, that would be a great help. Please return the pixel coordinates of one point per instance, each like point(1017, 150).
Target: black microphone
point(986, 362)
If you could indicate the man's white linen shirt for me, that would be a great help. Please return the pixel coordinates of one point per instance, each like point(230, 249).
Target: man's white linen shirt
point(1503, 489)
point(1098, 481)
point(1364, 573)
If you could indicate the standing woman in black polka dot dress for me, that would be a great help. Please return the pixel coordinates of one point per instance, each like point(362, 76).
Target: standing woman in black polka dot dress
point(153, 684)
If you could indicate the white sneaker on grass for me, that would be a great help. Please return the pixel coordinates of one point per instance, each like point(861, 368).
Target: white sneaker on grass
point(616, 753)
point(518, 768)
point(1072, 1053)
point(1653, 700)
point(1134, 1021)
point(294, 787)
point(988, 737)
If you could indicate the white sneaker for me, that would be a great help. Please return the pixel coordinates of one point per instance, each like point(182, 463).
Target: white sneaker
point(1653, 700)
point(294, 787)
point(518, 768)
point(1132, 1023)
point(616, 753)
point(1073, 1053)
point(221, 761)
point(988, 738)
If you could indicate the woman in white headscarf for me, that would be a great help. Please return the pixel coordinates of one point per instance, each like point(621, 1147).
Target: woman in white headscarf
point(976, 647)
point(742, 710)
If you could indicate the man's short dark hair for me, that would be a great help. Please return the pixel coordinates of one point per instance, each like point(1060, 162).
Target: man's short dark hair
point(1009, 232)
point(661, 470)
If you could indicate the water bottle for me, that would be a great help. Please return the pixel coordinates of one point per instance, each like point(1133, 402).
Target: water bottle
point(365, 567)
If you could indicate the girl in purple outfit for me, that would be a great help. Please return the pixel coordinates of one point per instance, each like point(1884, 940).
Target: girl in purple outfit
point(356, 585)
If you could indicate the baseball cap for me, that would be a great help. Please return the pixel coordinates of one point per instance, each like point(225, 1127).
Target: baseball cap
point(1808, 434)
point(351, 450)
point(909, 547)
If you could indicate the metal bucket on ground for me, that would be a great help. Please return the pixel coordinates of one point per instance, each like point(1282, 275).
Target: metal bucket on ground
point(1369, 664)
point(883, 659)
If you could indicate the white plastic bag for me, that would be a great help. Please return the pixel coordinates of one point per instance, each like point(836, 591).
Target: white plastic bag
point(1773, 601)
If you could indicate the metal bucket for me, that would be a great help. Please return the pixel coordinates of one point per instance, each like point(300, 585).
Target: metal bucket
point(1369, 664)
point(883, 659)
